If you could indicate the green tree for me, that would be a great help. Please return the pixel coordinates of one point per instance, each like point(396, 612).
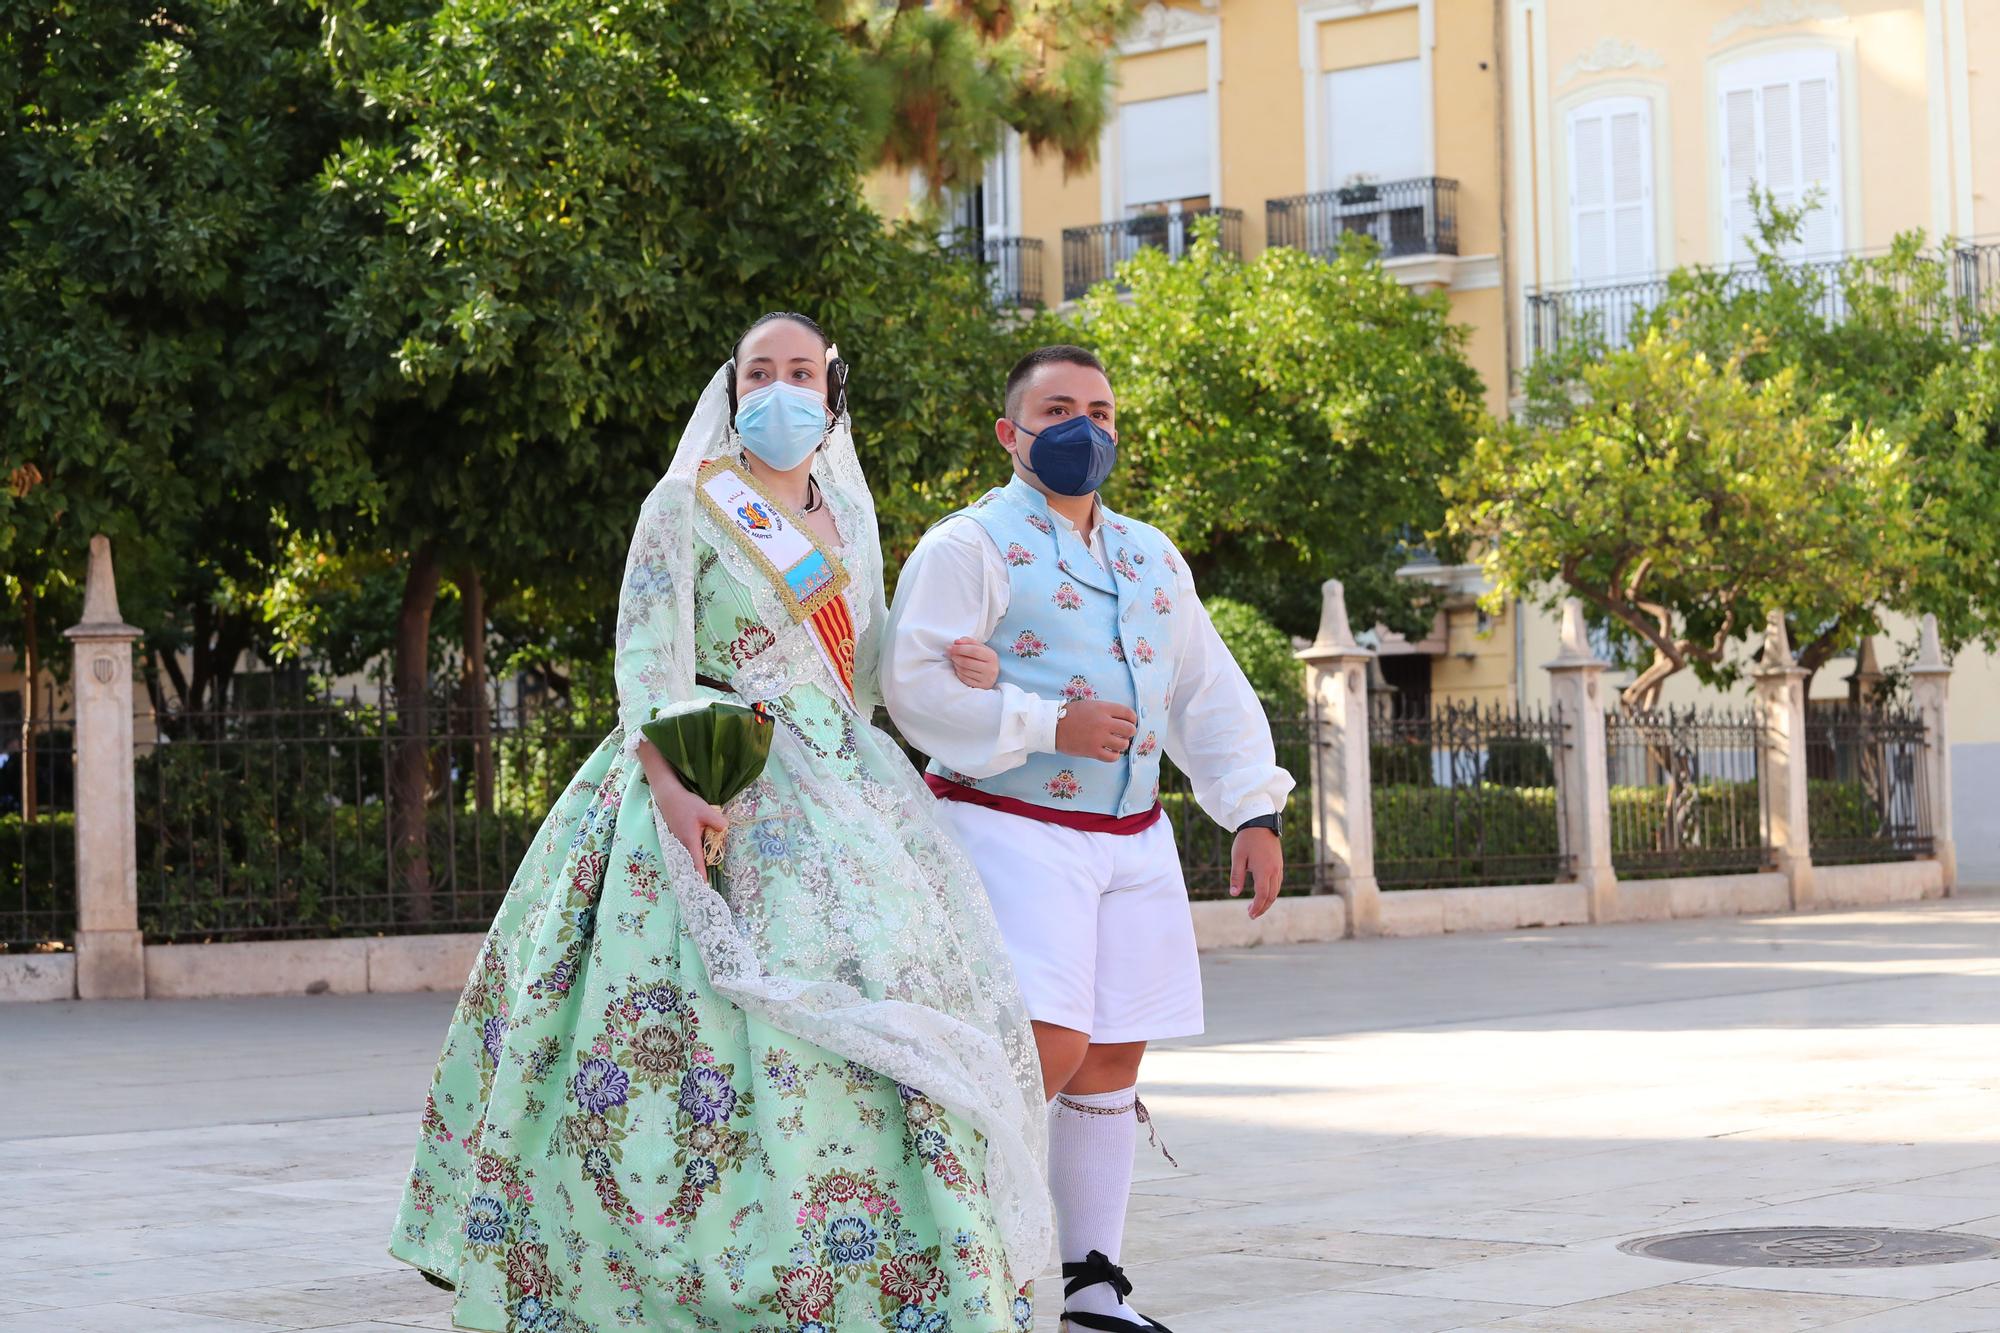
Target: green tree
point(1879, 341)
point(570, 213)
point(164, 340)
point(1683, 501)
point(939, 82)
point(1284, 420)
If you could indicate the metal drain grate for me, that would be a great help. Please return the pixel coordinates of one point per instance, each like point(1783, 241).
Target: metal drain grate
point(1815, 1247)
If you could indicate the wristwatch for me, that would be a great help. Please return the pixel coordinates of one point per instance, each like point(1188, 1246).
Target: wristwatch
point(1271, 822)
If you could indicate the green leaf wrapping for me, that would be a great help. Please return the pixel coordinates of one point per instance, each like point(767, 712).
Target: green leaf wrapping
point(718, 748)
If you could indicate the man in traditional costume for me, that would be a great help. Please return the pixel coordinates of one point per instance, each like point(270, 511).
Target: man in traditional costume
point(1051, 779)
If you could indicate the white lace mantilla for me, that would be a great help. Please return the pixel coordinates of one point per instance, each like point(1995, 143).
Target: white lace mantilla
point(886, 951)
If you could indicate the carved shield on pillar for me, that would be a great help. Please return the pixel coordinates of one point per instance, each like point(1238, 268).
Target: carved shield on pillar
point(104, 668)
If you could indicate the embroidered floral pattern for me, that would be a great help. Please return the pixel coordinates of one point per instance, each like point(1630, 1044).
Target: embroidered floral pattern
point(584, 1032)
point(1018, 555)
point(1123, 568)
point(1064, 786)
point(753, 640)
point(1142, 652)
point(1066, 597)
point(1027, 644)
point(1041, 525)
point(1077, 689)
point(1118, 650)
point(1162, 604)
point(1146, 746)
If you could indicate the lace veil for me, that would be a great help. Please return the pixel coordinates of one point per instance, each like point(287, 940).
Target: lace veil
point(879, 945)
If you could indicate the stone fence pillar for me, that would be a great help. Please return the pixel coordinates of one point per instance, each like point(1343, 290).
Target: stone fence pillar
point(1583, 780)
point(110, 954)
point(1781, 700)
point(1343, 812)
point(1930, 681)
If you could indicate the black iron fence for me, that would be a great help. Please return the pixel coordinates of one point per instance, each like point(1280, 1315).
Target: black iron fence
point(1406, 217)
point(1092, 254)
point(1464, 795)
point(1962, 287)
point(37, 836)
point(1205, 846)
point(1866, 793)
point(284, 822)
point(1684, 792)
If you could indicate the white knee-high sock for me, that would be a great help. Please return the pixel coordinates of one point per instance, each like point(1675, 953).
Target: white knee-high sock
point(1091, 1138)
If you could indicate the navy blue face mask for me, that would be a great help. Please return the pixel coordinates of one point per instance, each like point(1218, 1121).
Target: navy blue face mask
point(1072, 457)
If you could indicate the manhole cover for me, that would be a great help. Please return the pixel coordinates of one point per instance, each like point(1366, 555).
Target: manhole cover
point(1815, 1247)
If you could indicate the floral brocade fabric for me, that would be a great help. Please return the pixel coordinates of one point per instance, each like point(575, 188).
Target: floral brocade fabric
point(610, 1144)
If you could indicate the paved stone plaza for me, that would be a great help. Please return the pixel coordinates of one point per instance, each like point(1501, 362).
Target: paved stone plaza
point(1396, 1136)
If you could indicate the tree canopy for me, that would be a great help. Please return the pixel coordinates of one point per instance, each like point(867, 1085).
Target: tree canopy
point(1284, 420)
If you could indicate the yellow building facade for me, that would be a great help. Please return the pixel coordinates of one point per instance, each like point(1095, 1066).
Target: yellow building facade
point(1545, 163)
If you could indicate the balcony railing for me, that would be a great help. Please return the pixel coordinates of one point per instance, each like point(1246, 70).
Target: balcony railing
point(1014, 270)
point(1611, 311)
point(1411, 217)
point(1092, 254)
point(1013, 265)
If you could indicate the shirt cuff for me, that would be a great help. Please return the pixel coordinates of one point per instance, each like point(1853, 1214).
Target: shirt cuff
point(1042, 725)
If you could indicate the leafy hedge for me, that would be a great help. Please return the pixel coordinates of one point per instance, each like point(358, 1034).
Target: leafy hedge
point(37, 878)
point(1439, 837)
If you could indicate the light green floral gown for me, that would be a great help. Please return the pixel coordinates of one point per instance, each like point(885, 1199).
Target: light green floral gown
point(612, 1142)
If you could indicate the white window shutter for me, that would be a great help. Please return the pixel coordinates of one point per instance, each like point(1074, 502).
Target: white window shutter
point(1781, 132)
point(1819, 165)
point(1740, 169)
point(1611, 189)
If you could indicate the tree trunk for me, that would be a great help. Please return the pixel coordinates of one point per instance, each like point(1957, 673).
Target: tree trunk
point(409, 763)
point(31, 664)
point(477, 711)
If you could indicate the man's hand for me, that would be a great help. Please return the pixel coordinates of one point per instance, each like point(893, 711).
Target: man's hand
point(1093, 729)
point(1259, 852)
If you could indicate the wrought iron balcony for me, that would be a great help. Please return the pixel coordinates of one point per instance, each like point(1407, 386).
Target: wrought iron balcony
point(1092, 254)
point(1013, 265)
point(1612, 311)
point(1410, 217)
point(1014, 269)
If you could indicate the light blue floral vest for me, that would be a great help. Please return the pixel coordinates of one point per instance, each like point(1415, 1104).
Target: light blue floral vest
point(1075, 630)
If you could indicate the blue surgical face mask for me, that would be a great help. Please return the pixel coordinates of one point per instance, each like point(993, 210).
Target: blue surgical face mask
point(782, 423)
point(1072, 457)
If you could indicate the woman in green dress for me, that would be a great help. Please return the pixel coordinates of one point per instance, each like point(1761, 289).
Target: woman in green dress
point(806, 1101)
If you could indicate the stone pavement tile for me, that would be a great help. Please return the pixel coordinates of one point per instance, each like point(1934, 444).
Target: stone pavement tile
point(1357, 1247)
point(1692, 1309)
point(1211, 1283)
point(1542, 1277)
point(1349, 1312)
point(364, 1249)
point(104, 1245)
point(299, 1305)
point(1969, 1312)
point(1905, 1284)
point(152, 1279)
point(125, 1319)
point(1979, 1182)
point(1862, 1208)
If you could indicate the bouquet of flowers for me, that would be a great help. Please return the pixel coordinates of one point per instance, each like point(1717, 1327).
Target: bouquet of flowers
point(718, 748)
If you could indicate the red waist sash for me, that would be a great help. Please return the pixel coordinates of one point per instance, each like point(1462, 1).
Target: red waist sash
point(1088, 822)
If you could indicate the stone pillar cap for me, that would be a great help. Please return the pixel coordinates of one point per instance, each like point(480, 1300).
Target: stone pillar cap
point(1778, 659)
point(100, 599)
point(1930, 657)
point(1336, 637)
point(1576, 653)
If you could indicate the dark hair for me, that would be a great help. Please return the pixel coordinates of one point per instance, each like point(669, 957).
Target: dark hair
point(836, 371)
point(1066, 354)
point(803, 321)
